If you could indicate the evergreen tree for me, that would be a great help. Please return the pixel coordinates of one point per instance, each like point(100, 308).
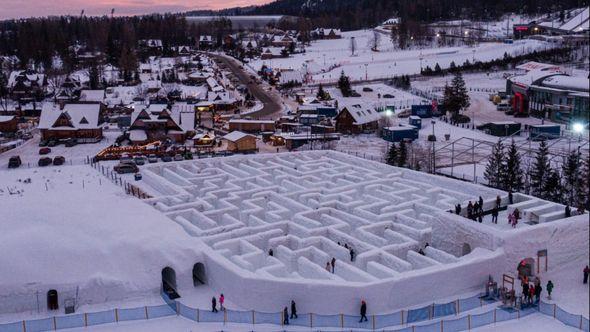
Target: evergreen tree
point(321, 93)
point(583, 198)
point(94, 80)
point(552, 187)
point(494, 172)
point(344, 85)
point(437, 68)
point(540, 171)
point(392, 155)
point(455, 96)
point(513, 180)
point(403, 155)
point(571, 177)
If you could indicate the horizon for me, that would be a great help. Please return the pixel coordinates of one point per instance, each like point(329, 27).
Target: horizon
point(18, 9)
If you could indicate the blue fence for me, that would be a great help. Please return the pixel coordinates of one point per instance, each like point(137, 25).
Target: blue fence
point(426, 319)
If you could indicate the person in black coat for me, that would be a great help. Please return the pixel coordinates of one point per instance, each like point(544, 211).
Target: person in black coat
point(285, 316)
point(525, 290)
point(363, 311)
point(213, 304)
point(293, 310)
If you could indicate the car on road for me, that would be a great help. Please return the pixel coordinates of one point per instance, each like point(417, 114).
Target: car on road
point(123, 168)
point(139, 160)
point(388, 96)
point(45, 161)
point(166, 159)
point(178, 157)
point(43, 143)
point(43, 151)
point(137, 176)
point(59, 160)
point(152, 158)
point(367, 89)
point(14, 162)
point(126, 159)
point(71, 142)
point(52, 143)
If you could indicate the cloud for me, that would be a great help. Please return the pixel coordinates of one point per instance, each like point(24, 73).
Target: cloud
point(30, 8)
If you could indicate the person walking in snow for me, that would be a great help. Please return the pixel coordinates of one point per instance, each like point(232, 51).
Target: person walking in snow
point(512, 219)
point(586, 271)
point(538, 290)
point(285, 316)
point(510, 197)
point(480, 216)
point(498, 201)
point(213, 304)
point(328, 268)
point(293, 310)
point(516, 214)
point(470, 210)
point(568, 211)
point(363, 311)
point(531, 293)
point(480, 204)
point(525, 291)
point(221, 301)
point(495, 215)
point(333, 263)
point(458, 209)
point(351, 254)
point(270, 252)
point(549, 288)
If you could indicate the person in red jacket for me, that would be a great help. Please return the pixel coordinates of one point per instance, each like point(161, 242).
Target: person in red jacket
point(531, 293)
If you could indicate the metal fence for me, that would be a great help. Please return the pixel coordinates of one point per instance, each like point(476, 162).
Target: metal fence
point(431, 318)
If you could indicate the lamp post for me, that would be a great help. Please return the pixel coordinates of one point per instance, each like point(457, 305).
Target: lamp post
point(366, 72)
point(433, 148)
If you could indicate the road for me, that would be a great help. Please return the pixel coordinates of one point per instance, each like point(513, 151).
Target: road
point(271, 100)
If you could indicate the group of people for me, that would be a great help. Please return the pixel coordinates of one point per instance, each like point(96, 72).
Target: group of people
point(350, 250)
point(331, 265)
point(286, 315)
point(474, 210)
point(568, 211)
point(531, 292)
point(214, 303)
point(513, 218)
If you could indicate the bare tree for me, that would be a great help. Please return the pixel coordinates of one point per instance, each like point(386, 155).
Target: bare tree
point(352, 46)
point(375, 41)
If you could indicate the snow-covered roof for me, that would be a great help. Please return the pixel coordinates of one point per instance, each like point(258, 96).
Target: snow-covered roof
point(81, 116)
point(92, 95)
point(538, 66)
point(236, 135)
point(5, 118)
point(362, 114)
point(565, 82)
point(251, 121)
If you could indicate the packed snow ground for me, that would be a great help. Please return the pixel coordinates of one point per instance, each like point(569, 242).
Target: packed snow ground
point(325, 59)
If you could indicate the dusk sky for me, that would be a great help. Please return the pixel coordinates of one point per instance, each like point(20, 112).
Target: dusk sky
point(28, 8)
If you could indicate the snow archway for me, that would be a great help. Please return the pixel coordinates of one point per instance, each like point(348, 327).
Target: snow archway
point(52, 300)
point(169, 282)
point(199, 276)
point(466, 249)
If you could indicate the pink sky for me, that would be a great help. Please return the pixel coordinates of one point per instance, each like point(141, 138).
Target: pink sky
point(28, 8)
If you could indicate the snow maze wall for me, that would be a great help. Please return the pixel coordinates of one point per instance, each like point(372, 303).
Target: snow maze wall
point(301, 205)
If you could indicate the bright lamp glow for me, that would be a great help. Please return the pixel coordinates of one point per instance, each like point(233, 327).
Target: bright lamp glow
point(388, 113)
point(578, 127)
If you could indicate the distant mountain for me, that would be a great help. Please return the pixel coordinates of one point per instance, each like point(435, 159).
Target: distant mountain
point(354, 14)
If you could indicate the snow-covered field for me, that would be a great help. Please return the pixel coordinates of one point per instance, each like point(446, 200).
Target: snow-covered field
point(325, 59)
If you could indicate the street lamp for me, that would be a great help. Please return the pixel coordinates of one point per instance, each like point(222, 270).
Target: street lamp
point(433, 148)
point(578, 127)
point(366, 72)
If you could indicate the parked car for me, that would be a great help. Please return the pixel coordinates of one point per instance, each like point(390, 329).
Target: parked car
point(166, 159)
point(43, 151)
point(45, 161)
point(52, 143)
point(178, 157)
point(126, 159)
point(388, 96)
point(14, 162)
point(367, 89)
point(123, 168)
point(43, 143)
point(152, 158)
point(71, 142)
point(137, 176)
point(139, 160)
point(59, 160)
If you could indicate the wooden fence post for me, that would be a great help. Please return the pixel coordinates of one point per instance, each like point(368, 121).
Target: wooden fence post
point(581, 322)
point(310, 320)
point(224, 316)
point(54, 324)
point(146, 313)
point(495, 315)
point(85, 319)
point(373, 322)
point(442, 324)
point(116, 315)
point(469, 322)
point(554, 310)
point(341, 321)
point(198, 315)
point(402, 313)
point(253, 318)
point(24, 326)
point(177, 308)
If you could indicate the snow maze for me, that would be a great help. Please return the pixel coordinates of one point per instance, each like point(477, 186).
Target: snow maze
point(302, 206)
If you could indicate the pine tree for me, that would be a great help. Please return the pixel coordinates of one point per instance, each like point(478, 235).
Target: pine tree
point(552, 187)
point(94, 80)
point(321, 93)
point(456, 97)
point(403, 155)
point(344, 84)
point(513, 180)
point(494, 172)
point(437, 68)
point(583, 198)
point(392, 155)
point(570, 171)
point(540, 171)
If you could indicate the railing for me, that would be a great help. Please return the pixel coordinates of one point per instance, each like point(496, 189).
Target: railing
point(406, 319)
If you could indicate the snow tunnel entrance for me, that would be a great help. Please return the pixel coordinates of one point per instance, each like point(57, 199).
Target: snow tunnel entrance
point(466, 249)
point(199, 276)
point(169, 283)
point(52, 300)
point(526, 267)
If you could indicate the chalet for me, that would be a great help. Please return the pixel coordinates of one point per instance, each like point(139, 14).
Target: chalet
point(273, 53)
point(79, 121)
point(355, 119)
point(251, 126)
point(282, 41)
point(204, 140)
point(26, 85)
point(182, 50)
point(8, 124)
point(151, 47)
point(157, 123)
point(238, 141)
point(222, 101)
point(322, 33)
point(206, 41)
